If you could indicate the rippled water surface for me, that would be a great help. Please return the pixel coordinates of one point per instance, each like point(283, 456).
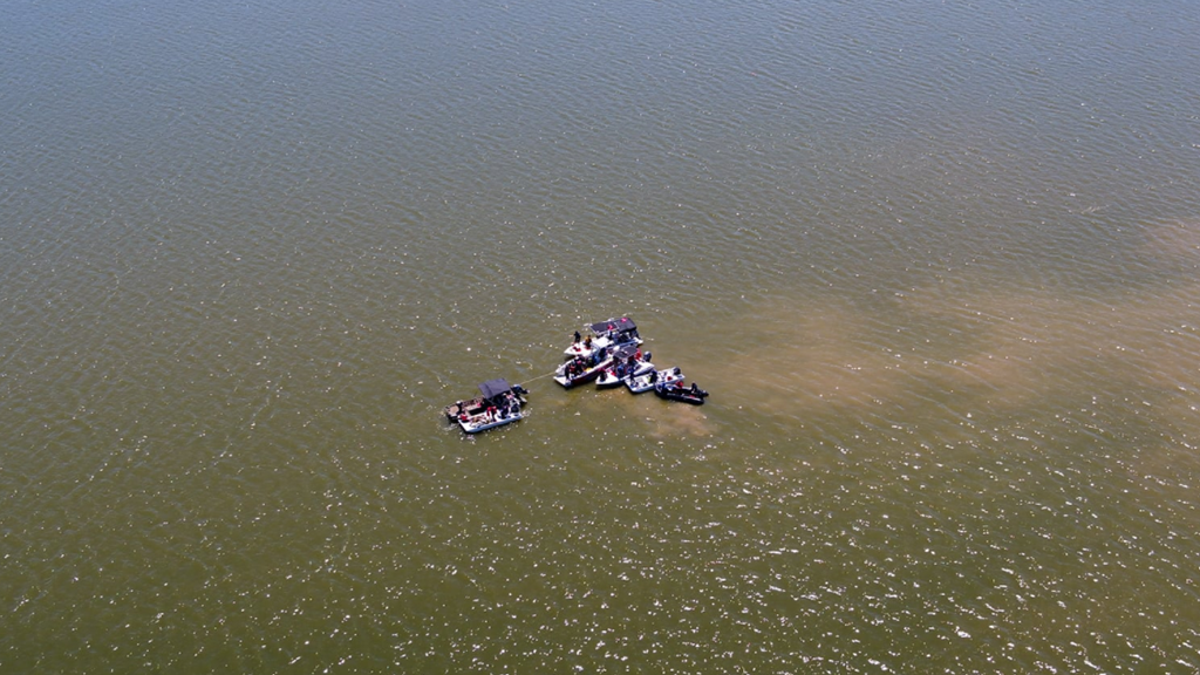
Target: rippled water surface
point(936, 262)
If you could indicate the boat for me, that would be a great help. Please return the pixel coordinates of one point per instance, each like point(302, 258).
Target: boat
point(627, 362)
point(499, 403)
point(646, 381)
point(583, 369)
point(603, 334)
point(676, 391)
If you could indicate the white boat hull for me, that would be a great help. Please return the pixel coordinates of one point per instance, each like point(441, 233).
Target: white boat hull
point(568, 381)
point(641, 383)
point(480, 423)
point(609, 377)
point(500, 404)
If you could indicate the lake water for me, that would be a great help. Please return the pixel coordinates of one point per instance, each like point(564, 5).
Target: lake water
point(936, 263)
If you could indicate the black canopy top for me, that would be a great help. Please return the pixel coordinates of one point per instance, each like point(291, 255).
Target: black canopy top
point(625, 351)
point(494, 387)
point(614, 325)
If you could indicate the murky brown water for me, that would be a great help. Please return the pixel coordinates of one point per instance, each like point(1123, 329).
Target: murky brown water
point(936, 264)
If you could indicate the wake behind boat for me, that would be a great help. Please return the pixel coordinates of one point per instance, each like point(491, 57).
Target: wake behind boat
point(499, 404)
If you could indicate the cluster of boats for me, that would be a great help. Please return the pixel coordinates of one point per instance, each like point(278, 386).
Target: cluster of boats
point(610, 355)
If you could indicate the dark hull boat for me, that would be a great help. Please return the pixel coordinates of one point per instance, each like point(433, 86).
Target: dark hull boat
point(676, 391)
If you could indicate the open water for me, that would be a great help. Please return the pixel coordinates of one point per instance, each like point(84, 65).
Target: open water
point(936, 262)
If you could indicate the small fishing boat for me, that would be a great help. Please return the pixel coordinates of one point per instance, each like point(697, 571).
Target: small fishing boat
point(582, 369)
point(603, 334)
point(676, 391)
point(628, 362)
point(646, 381)
point(499, 403)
